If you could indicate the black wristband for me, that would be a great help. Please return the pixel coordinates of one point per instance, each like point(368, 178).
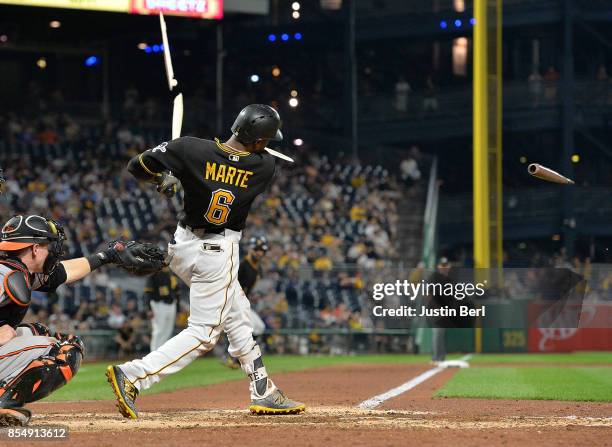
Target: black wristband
point(98, 260)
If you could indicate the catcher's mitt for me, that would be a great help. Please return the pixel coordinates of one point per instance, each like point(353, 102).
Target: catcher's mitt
point(138, 258)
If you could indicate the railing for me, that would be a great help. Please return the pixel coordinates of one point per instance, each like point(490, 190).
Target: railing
point(387, 7)
point(540, 203)
point(99, 344)
point(457, 101)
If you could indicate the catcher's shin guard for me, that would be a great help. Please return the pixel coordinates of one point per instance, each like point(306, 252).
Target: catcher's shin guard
point(42, 376)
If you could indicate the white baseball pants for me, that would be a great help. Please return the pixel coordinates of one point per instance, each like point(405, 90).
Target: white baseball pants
point(162, 323)
point(208, 263)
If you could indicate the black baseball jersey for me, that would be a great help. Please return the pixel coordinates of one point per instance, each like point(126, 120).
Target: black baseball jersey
point(219, 183)
point(248, 272)
point(162, 286)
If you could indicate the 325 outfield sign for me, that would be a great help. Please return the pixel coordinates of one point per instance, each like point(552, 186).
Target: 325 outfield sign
point(205, 9)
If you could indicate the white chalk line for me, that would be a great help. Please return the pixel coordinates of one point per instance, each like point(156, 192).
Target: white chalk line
point(375, 401)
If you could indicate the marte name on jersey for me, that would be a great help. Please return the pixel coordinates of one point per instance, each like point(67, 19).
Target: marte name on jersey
point(227, 174)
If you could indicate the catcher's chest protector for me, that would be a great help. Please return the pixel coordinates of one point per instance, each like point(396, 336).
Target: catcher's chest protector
point(15, 292)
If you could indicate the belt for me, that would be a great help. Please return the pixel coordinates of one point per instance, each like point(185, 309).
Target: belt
point(202, 229)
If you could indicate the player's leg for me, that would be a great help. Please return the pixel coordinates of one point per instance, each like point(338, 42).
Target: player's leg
point(169, 321)
point(162, 323)
point(32, 368)
point(209, 297)
point(257, 323)
point(156, 326)
point(266, 398)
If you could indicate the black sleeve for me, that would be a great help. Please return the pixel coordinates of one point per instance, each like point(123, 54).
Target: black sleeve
point(144, 168)
point(169, 154)
point(56, 279)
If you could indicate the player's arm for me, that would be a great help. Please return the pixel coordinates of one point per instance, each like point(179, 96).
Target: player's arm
point(72, 270)
point(162, 165)
point(7, 333)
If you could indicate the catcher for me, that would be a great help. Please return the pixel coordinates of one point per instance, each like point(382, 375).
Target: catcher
point(34, 362)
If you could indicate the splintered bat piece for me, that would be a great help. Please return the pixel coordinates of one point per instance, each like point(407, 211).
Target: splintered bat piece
point(278, 154)
point(547, 174)
point(167, 57)
point(177, 106)
point(177, 116)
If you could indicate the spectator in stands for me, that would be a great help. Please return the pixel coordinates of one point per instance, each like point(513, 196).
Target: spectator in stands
point(125, 339)
point(430, 100)
point(116, 318)
point(534, 81)
point(402, 94)
point(551, 79)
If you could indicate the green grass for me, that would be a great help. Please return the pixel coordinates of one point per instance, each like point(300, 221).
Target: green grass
point(90, 382)
point(542, 383)
point(600, 358)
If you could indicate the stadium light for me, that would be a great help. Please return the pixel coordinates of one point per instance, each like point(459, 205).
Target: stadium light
point(3, 38)
point(55, 24)
point(91, 61)
point(295, 6)
point(254, 78)
point(523, 159)
point(285, 37)
point(457, 23)
point(148, 49)
point(272, 37)
point(276, 72)
point(142, 46)
point(156, 48)
point(443, 24)
point(472, 21)
point(293, 102)
point(575, 158)
point(297, 36)
point(41, 63)
point(295, 14)
point(298, 142)
point(294, 93)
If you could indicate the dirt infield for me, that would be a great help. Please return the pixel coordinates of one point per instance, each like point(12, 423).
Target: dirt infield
point(217, 414)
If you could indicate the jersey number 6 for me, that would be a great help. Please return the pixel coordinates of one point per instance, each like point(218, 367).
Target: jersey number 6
point(219, 206)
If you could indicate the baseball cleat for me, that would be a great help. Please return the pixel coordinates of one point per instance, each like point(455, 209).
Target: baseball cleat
point(230, 362)
point(276, 403)
point(124, 390)
point(14, 417)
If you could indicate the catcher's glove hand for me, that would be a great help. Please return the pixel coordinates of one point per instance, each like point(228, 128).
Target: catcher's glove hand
point(138, 258)
point(167, 184)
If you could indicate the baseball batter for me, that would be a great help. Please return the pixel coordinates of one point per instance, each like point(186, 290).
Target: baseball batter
point(34, 362)
point(220, 182)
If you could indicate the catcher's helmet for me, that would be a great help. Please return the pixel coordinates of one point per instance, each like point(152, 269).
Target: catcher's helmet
point(23, 231)
point(258, 243)
point(257, 122)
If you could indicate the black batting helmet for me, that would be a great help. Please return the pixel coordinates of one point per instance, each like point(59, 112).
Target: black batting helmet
point(258, 243)
point(257, 122)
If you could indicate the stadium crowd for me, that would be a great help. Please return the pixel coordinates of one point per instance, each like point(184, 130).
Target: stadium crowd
point(320, 215)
